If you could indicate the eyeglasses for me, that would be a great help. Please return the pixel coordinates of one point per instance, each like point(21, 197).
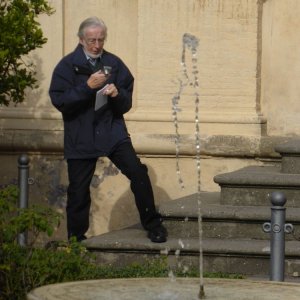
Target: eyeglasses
point(94, 41)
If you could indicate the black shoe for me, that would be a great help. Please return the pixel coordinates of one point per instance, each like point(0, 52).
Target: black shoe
point(81, 238)
point(56, 245)
point(158, 234)
point(78, 239)
point(52, 245)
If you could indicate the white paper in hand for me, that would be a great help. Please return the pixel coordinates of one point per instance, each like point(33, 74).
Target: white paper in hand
point(101, 99)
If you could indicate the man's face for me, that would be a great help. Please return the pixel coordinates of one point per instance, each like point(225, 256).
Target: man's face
point(93, 40)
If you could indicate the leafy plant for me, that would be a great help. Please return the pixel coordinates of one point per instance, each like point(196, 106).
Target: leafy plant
point(22, 269)
point(14, 221)
point(15, 260)
point(20, 34)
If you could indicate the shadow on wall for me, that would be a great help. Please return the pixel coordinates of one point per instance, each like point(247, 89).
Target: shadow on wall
point(125, 214)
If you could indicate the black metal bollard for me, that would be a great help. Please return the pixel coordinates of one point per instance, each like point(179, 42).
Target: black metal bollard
point(23, 167)
point(277, 228)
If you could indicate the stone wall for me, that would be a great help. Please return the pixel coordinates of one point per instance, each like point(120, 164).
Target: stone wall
point(248, 71)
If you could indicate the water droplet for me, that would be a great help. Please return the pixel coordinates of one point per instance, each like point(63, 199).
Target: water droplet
point(164, 251)
point(180, 242)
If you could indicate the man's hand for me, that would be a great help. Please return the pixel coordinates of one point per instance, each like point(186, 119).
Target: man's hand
point(96, 80)
point(111, 90)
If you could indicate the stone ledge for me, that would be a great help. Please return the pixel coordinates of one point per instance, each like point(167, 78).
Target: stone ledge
point(135, 240)
point(49, 141)
point(290, 152)
point(31, 141)
point(258, 176)
point(291, 147)
point(187, 207)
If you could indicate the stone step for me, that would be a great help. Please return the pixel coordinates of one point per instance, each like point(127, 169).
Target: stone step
point(218, 229)
point(290, 153)
point(220, 221)
point(238, 256)
point(252, 186)
point(233, 240)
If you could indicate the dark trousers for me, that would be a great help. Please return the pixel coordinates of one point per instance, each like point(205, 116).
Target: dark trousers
point(81, 172)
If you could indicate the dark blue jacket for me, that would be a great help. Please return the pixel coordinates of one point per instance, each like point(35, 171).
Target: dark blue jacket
point(89, 134)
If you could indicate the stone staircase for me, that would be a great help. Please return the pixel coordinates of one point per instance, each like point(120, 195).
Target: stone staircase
point(233, 239)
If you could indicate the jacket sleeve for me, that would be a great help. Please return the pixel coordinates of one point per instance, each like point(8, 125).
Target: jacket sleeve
point(122, 103)
point(67, 94)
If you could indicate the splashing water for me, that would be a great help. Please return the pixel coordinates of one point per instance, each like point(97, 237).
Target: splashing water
point(191, 43)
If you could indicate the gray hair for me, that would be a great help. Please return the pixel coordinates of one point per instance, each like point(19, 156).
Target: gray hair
point(91, 22)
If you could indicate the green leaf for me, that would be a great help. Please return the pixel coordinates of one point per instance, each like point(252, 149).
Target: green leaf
point(19, 35)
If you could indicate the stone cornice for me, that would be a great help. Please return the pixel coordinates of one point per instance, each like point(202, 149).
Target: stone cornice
point(49, 141)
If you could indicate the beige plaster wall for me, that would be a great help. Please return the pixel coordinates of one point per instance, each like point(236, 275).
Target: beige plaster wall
point(150, 42)
point(281, 66)
point(226, 62)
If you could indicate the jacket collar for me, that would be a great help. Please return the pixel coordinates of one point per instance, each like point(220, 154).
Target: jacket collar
point(79, 61)
point(79, 57)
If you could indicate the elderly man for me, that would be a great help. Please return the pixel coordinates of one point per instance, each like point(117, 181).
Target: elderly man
point(92, 130)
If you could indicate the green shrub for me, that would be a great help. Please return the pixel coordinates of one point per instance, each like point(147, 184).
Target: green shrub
point(19, 35)
point(23, 269)
point(17, 262)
